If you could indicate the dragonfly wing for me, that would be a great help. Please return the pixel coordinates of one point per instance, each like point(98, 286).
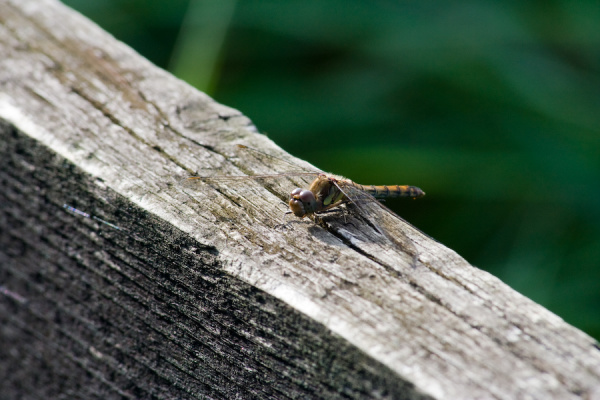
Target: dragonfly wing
point(259, 166)
point(381, 218)
point(246, 191)
point(195, 182)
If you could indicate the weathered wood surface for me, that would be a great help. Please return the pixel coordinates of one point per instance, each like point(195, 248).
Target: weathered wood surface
point(204, 293)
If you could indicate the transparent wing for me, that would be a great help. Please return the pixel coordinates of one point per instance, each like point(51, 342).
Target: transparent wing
point(194, 181)
point(381, 218)
point(258, 165)
point(208, 187)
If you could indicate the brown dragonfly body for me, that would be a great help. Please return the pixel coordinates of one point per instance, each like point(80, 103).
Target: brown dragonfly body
point(327, 191)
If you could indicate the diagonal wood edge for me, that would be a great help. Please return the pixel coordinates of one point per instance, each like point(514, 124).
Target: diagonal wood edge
point(449, 329)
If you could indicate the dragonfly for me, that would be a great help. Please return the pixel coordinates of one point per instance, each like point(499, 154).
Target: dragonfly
point(328, 191)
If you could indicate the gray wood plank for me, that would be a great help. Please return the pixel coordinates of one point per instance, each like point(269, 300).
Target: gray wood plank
point(117, 280)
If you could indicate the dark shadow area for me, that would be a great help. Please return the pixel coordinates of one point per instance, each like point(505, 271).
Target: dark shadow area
point(99, 299)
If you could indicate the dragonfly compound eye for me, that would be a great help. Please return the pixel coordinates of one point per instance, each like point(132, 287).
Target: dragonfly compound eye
point(302, 203)
point(306, 196)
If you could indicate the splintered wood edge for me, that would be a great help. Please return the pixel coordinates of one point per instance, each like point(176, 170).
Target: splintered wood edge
point(449, 328)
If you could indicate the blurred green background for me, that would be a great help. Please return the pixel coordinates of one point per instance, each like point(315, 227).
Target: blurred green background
point(493, 108)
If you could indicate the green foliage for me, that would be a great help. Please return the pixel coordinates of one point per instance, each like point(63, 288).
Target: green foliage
point(493, 108)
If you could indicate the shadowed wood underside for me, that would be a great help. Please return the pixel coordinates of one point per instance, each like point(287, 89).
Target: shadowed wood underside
point(118, 282)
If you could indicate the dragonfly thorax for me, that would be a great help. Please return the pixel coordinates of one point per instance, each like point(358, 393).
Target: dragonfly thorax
point(302, 202)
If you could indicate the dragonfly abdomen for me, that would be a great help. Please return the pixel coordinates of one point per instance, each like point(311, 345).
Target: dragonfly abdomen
point(392, 191)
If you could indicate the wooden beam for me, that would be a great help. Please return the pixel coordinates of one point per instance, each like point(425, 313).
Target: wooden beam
point(118, 280)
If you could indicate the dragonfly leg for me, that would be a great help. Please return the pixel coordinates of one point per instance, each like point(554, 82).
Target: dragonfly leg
point(284, 222)
point(345, 213)
point(336, 204)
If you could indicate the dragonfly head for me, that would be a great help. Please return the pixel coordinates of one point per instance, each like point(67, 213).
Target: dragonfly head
point(302, 202)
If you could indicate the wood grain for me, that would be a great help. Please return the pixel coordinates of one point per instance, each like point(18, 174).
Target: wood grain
point(117, 280)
